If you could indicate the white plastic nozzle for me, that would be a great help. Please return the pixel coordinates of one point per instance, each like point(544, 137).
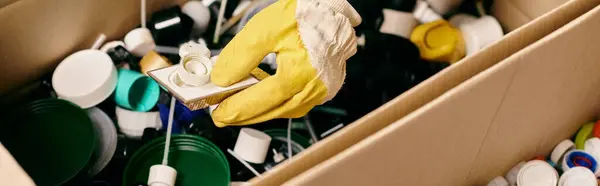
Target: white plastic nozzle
point(162, 175)
point(277, 156)
point(252, 145)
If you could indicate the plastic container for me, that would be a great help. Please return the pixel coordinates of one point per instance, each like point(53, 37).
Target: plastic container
point(136, 91)
point(85, 78)
point(197, 161)
point(52, 139)
point(106, 134)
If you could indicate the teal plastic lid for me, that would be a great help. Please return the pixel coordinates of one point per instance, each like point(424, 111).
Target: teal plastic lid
point(197, 161)
point(52, 139)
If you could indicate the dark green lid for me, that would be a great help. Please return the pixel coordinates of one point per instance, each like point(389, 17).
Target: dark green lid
point(52, 139)
point(197, 161)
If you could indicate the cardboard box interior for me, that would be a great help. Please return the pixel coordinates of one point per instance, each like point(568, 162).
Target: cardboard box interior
point(419, 96)
point(511, 112)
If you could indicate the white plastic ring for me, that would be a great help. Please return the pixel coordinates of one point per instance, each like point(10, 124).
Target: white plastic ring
point(195, 70)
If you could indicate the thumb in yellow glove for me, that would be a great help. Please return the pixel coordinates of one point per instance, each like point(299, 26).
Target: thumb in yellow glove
point(312, 40)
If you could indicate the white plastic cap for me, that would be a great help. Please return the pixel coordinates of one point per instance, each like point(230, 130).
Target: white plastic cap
point(567, 157)
point(560, 150)
point(537, 173)
point(512, 175)
point(192, 47)
point(195, 71)
point(398, 23)
point(578, 176)
point(592, 146)
point(139, 41)
point(498, 181)
point(252, 145)
point(85, 78)
point(132, 123)
point(162, 175)
point(480, 33)
point(110, 45)
point(425, 14)
point(199, 13)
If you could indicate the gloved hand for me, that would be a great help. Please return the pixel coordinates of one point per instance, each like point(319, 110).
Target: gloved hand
point(312, 40)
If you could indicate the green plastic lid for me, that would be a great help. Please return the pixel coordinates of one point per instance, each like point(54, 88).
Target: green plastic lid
point(197, 161)
point(52, 139)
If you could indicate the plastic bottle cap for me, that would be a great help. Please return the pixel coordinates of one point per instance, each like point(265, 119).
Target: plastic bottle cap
point(110, 45)
point(592, 146)
point(139, 41)
point(581, 158)
point(85, 78)
point(498, 181)
point(480, 33)
point(578, 176)
point(199, 13)
point(136, 91)
point(252, 145)
point(512, 175)
point(425, 14)
point(195, 70)
point(560, 150)
point(398, 23)
point(162, 175)
point(439, 41)
point(192, 47)
point(132, 123)
point(584, 133)
point(537, 173)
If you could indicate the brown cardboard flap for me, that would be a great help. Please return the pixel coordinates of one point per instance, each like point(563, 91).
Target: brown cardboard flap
point(36, 34)
point(511, 112)
point(513, 14)
point(420, 95)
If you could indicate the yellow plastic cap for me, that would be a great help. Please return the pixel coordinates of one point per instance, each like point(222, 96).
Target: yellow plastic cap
point(439, 41)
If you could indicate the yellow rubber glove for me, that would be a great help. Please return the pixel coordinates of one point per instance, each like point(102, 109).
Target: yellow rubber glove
point(312, 40)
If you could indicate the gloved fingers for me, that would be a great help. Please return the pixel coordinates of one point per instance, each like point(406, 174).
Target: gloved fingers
point(253, 101)
point(297, 106)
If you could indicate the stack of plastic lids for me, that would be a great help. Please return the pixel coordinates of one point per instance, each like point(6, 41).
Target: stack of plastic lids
point(52, 139)
point(106, 134)
point(197, 161)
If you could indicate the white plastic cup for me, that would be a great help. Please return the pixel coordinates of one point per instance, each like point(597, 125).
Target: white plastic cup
point(480, 33)
point(139, 41)
point(85, 78)
point(132, 123)
point(537, 173)
point(398, 23)
point(252, 145)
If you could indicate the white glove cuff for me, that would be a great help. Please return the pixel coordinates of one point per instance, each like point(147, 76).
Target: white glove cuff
point(344, 8)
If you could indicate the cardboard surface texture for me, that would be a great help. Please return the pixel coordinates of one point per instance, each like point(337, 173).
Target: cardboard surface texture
point(515, 13)
point(515, 110)
point(419, 96)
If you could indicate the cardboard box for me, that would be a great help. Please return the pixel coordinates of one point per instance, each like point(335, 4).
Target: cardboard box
point(37, 34)
point(519, 108)
point(370, 124)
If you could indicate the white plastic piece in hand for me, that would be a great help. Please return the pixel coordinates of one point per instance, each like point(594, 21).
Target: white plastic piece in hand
point(425, 14)
point(512, 175)
point(195, 70)
point(498, 181)
point(193, 48)
point(537, 173)
point(398, 23)
point(252, 145)
point(560, 150)
point(199, 13)
point(139, 41)
point(85, 78)
point(162, 175)
point(578, 176)
point(481, 33)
